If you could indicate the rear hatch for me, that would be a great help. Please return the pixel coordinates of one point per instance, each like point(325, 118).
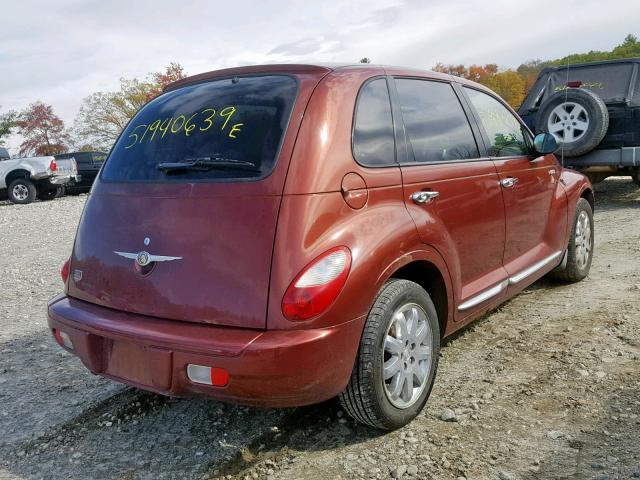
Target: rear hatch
point(182, 219)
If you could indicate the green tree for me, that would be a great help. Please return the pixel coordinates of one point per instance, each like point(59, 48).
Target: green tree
point(7, 124)
point(365, 60)
point(103, 115)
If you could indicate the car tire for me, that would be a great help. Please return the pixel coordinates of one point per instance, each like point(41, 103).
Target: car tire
point(562, 115)
point(386, 345)
point(580, 248)
point(635, 175)
point(50, 194)
point(21, 191)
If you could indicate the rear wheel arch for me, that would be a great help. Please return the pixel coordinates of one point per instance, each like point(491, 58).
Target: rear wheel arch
point(428, 276)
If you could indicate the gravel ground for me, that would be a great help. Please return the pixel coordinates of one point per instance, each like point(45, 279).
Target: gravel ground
point(546, 386)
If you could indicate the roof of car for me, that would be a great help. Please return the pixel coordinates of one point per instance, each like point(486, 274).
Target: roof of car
point(318, 68)
point(592, 64)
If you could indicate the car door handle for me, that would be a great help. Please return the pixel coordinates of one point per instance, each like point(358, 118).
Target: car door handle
point(424, 197)
point(508, 182)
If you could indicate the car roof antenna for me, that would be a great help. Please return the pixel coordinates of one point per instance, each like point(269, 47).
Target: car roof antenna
point(566, 93)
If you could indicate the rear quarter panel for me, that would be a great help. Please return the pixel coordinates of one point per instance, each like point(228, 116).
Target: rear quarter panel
point(314, 216)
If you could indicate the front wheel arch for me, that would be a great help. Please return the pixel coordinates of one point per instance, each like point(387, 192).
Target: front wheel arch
point(588, 195)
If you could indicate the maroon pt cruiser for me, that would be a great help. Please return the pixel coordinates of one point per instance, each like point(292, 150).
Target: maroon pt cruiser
point(280, 235)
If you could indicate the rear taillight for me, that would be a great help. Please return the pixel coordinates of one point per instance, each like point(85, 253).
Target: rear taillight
point(64, 271)
point(575, 84)
point(53, 166)
point(317, 285)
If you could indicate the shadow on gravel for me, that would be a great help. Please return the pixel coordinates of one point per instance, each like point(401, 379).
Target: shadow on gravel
point(616, 194)
point(582, 457)
point(59, 421)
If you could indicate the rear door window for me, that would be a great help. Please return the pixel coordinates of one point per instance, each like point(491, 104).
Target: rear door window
point(507, 136)
point(373, 140)
point(227, 129)
point(437, 128)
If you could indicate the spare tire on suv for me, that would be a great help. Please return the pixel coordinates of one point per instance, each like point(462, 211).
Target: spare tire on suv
point(577, 118)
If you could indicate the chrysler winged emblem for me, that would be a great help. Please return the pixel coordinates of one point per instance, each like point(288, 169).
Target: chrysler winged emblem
point(145, 258)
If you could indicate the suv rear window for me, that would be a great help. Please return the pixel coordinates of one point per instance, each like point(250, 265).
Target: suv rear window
point(98, 158)
point(227, 129)
point(610, 82)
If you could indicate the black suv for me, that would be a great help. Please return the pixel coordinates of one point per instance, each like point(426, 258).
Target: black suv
point(593, 110)
point(89, 164)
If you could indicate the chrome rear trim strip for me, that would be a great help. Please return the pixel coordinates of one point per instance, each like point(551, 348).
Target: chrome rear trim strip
point(486, 295)
point(533, 268)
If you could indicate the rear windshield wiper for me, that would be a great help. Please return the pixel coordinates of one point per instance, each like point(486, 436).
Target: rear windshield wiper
point(206, 163)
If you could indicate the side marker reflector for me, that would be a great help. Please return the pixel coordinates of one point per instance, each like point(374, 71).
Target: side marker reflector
point(218, 377)
point(63, 339)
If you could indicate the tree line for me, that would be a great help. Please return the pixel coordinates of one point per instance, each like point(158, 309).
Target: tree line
point(513, 85)
point(103, 115)
point(101, 118)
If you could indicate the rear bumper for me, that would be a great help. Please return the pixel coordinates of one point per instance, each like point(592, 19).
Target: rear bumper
point(614, 157)
point(266, 368)
point(52, 178)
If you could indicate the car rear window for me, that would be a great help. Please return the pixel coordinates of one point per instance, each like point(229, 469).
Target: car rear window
point(98, 158)
point(610, 82)
point(227, 129)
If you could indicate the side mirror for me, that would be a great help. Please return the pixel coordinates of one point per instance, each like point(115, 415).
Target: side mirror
point(545, 143)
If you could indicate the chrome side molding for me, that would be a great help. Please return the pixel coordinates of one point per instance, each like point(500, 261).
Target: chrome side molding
point(483, 296)
point(533, 268)
point(517, 278)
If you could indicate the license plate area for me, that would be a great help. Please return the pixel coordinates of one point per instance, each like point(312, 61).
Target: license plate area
point(128, 361)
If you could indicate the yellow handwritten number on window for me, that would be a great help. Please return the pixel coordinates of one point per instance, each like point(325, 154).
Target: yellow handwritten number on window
point(208, 119)
point(133, 134)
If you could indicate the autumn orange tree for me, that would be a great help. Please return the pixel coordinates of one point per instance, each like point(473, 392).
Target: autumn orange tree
point(43, 131)
point(513, 85)
point(508, 83)
point(159, 80)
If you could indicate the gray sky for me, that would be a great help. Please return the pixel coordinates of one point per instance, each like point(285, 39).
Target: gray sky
point(61, 51)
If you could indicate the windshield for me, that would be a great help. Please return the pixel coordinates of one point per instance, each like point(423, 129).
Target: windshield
point(240, 118)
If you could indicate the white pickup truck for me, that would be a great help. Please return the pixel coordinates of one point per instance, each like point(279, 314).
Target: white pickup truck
point(24, 179)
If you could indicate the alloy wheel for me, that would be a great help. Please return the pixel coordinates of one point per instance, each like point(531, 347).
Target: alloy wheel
point(583, 240)
point(408, 354)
